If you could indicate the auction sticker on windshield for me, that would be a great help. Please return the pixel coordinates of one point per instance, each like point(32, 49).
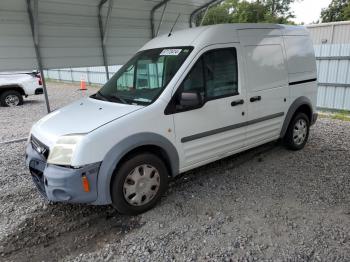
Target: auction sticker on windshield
point(171, 52)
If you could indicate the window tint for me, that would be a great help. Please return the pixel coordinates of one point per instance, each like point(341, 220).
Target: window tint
point(214, 75)
point(221, 74)
point(194, 82)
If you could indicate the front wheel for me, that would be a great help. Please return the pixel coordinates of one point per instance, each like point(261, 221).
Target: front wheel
point(297, 132)
point(138, 184)
point(11, 98)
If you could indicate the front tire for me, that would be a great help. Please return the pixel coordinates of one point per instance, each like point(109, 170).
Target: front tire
point(139, 183)
point(11, 98)
point(298, 132)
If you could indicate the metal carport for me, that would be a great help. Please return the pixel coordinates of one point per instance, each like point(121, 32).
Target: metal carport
point(46, 34)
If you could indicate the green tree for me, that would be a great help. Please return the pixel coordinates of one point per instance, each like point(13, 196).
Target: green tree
point(243, 11)
point(338, 10)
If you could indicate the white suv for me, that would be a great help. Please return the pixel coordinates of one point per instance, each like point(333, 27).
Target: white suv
point(184, 100)
point(15, 85)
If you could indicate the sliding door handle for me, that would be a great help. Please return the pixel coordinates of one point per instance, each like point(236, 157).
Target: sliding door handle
point(255, 98)
point(237, 102)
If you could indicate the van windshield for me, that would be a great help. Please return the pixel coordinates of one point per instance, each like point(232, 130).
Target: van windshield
point(144, 77)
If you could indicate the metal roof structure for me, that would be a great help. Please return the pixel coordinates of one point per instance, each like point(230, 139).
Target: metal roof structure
point(68, 32)
point(64, 33)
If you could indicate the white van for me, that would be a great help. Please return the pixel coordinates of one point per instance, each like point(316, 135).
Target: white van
point(184, 100)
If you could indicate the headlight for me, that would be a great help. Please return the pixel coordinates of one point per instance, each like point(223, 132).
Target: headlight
point(63, 150)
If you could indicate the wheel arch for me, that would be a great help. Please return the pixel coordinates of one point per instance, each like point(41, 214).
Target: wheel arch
point(301, 104)
point(12, 87)
point(142, 142)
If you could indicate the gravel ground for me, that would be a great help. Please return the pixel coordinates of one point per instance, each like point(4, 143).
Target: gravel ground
point(266, 204)
point(34, 108)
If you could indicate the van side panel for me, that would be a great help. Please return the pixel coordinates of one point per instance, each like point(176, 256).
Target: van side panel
point(266, 83)
point(302, 72)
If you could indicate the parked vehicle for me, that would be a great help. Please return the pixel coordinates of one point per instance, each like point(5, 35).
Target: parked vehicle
point(184, 100)
point(15, 85)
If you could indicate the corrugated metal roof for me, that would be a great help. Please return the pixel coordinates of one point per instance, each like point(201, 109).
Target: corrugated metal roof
point(330, 33)
point(69, 31)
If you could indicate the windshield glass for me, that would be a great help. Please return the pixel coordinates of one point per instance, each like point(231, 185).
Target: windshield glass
point(143, 78)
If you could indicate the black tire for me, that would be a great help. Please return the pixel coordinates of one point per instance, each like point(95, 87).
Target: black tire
point(289, 137)
point(13, 93)
point(119, 201)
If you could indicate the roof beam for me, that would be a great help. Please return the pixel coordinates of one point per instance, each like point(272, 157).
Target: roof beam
point(198, 10)
point(104, 30)
point(154, 9)
point(34, 26)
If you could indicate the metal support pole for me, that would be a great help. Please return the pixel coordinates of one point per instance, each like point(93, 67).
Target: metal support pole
point(33, 19)
point(154, 9)
point(71, 74)
point(198, 10)
point(108, 19)
point(103, 31)
point(205, 14)
point(161, 18)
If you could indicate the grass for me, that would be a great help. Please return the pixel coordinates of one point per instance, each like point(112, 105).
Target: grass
point(343, 115)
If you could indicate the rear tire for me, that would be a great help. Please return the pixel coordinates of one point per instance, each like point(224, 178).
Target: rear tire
point(11, 98)
point(298, 132)
point(139, 183)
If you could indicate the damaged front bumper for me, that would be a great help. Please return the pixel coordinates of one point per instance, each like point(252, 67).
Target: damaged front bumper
point(62, 184)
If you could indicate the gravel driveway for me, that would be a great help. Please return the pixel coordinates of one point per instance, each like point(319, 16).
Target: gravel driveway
point(267, 204)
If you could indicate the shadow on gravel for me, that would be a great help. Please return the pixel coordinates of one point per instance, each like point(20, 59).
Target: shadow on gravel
point(59, 230)
point(32, 102)
point(229, 162)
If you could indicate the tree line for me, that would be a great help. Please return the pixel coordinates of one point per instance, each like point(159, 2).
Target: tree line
point(267, 11)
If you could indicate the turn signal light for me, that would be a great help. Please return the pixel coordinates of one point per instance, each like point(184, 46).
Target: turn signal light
point(85, 182)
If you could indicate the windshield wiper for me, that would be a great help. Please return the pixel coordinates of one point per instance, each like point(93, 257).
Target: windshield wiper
point(106, 98)
point(112, 98)
point(122, 100)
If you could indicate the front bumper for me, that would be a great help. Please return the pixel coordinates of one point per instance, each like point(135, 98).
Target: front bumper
point(62, 184)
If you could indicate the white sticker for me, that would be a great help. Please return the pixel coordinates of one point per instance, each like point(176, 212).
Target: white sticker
point(171, 52)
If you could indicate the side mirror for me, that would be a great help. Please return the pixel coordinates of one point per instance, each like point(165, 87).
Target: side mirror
point(190, 99)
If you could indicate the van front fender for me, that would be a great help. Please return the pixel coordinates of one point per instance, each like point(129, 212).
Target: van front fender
point(118, 151)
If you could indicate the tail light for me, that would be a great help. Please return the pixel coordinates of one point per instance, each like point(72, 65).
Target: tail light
point(40, 82)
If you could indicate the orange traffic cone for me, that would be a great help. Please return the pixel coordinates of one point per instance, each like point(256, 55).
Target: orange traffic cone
point(82, 84)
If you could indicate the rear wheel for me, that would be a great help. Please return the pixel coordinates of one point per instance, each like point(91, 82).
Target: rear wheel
point(139, 183)
point(298, 132)
point(11, 98)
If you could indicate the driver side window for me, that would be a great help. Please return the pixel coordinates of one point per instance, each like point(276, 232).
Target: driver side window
point(214, 76)
point(194, 81)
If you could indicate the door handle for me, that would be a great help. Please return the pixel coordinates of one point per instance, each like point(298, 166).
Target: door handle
point(237, 102)
point(255, 98)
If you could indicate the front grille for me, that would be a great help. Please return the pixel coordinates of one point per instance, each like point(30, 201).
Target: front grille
point(39, 147)
point(38, 179)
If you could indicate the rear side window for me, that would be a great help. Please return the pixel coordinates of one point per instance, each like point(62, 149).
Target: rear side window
point(215, 75)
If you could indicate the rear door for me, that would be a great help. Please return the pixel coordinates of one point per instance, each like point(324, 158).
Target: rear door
point(213, 130)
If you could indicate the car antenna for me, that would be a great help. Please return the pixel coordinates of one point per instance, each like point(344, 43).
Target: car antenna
point(171, 30)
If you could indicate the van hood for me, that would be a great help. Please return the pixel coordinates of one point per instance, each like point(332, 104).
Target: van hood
point(82, 116)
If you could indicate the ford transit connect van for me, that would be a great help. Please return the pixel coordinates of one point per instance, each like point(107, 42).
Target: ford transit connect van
point(184, 100)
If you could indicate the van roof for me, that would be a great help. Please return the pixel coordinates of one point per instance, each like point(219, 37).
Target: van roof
point(221, 33)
